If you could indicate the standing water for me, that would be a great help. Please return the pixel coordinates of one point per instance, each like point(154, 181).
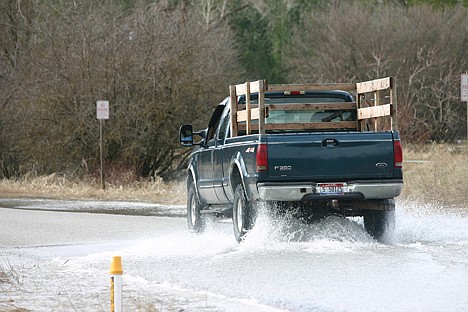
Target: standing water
point(283, 265)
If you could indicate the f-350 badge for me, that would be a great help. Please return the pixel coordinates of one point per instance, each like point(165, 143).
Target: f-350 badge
point(283, 168)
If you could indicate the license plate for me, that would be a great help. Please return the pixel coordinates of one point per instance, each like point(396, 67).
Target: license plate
point(332, 188)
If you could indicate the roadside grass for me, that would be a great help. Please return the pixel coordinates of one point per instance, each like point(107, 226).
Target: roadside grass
point(436, 174)
point(9, 282)
point(433, 173)
point(61, 187)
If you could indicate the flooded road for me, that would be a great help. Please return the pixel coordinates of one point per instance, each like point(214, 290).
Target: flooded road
point(59, 261)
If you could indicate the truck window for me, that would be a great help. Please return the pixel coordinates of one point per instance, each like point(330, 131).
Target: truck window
point(301, 116)
point(304, 116)
point(223, 131)
point(214, 121)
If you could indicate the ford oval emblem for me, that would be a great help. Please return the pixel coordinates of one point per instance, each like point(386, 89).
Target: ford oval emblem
point(381, 165)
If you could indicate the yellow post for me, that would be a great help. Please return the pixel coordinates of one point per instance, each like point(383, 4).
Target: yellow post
point(116, 284)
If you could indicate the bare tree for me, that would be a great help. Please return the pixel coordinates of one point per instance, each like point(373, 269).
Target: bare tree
point(158, 66)
point(424, 48)
point(15, 36)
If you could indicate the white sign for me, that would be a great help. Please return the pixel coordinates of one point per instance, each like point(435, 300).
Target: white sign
point(102, 109)
point(464, 87)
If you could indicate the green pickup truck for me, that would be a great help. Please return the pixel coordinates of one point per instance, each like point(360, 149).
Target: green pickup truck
point(312, 149)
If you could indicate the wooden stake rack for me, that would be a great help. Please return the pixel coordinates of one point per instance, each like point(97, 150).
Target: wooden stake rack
point(375, 104)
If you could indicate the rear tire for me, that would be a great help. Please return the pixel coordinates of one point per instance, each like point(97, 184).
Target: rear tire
point(242, 214)
point(380, 223)
point(196, 221)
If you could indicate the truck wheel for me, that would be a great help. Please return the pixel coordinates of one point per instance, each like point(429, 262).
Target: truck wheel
point(380, 222)
point(195, 219)
point(242, 214)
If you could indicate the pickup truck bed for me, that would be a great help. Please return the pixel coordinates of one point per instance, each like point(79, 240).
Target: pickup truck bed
point(300, 149)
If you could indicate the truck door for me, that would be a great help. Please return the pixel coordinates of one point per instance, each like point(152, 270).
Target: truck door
point(205, 160)
point(205, 173)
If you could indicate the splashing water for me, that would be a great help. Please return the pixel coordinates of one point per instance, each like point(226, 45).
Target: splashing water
point(415, 223)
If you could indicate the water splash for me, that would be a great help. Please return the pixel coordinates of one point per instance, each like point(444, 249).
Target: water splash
point(284, 232)
point(419, 222)
point(415, 222)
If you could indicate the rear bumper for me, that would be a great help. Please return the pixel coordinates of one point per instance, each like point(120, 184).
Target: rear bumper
point(284, 191)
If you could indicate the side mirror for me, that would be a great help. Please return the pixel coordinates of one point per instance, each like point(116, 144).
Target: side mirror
point(186, 135)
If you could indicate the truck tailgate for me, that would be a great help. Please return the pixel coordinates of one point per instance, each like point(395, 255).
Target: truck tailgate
point(330, 156)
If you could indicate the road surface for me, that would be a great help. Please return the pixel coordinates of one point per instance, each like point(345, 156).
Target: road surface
point(56, 260)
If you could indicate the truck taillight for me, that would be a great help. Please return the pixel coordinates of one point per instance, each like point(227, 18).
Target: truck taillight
point(262, 157)
point(397, 154)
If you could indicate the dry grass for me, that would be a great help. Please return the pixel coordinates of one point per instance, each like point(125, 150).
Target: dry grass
point(56, 186)
point(9, 282)
point(436, 173)
point(439, 176)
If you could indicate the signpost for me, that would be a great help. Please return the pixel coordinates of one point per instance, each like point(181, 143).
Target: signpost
point(102, 113)
point(464, 97)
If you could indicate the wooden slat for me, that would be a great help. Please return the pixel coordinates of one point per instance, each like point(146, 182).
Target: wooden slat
point(393, 101)
point(312, 106)
point(373, 85)
point(255, 86)
point(241, 89)
point(233, 100)
point(243, 106)
point(247, 106)
point(261, 105)
point(243, 115)
point(305, 106)
point(374, 111)
point(376, 103)
point(359, 104)
point(351, 125)
point(314, 125)
point(312, 87)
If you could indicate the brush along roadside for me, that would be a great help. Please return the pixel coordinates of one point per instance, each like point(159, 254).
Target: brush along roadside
point(437, 174)
point(60, 187)
point(433, 173)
